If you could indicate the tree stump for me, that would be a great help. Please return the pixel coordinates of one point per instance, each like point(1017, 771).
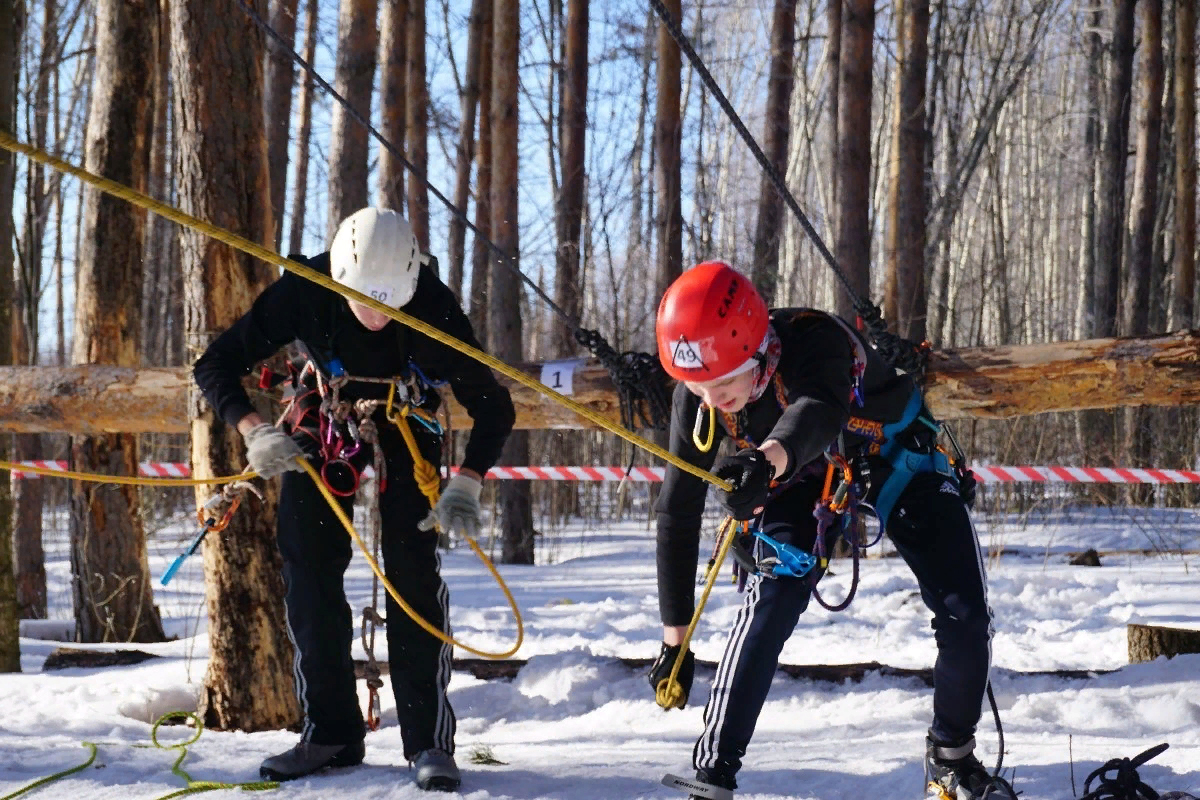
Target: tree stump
point(1148, 642)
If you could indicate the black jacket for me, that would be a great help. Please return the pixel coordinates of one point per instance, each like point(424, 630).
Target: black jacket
point(296, 309)
point(816, 366)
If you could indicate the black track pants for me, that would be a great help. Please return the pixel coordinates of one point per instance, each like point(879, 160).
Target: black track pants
point(933, 533)
point(316, 551)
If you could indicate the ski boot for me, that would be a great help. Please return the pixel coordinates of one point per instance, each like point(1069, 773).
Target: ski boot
point(306, 758)
point(436, 771)
point(954, 773)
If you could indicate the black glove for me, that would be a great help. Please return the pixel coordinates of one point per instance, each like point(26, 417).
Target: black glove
point(660, 670)
point(967, 483)
point(750, 473)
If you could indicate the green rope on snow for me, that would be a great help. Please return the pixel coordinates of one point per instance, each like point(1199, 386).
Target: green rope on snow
point(55, 776)
point(194, 786)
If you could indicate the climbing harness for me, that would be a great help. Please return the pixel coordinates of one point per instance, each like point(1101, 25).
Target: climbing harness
point(191, 786)
point(640, 380)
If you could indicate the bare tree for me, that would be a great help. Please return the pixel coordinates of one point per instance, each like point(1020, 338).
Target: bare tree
point(571, 197)
point(833, 63)
point(304, 132)
point(904, 296)
point(217, 67)
point(393, 66)
point(1110, 201)
point(854, 151)
point(114, 598)
point(277, 106)
point(668, 143)
point(765, 266)
point(29, 495)
point(1184, 276)
point(416, 110)
point(1136, 306)
point(160, 270)
point(481, 255)
point(1087, 253)
point(353, 79)
point(506, 331)
point(465, 151)
point(11, 22)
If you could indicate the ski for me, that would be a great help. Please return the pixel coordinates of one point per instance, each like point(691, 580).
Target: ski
point(697, 788)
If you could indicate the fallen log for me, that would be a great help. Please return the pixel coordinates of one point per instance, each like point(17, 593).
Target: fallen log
point(1148, 642)
point(979, 382)
point(507, 669)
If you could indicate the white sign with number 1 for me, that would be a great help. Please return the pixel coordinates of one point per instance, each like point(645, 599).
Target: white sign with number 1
point(559, 375)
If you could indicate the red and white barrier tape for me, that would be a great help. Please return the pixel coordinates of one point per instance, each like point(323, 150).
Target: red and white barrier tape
point(989, 474)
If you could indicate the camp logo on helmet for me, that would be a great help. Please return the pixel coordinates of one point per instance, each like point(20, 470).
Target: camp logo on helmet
point(727, 300)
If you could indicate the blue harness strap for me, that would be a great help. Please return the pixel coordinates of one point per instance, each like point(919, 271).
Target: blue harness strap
point(906, 463)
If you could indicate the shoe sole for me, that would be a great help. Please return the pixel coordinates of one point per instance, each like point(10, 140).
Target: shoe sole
point(335, 763)
point(440, 784)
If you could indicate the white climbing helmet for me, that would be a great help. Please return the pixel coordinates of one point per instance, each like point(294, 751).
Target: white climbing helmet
point(375, 252)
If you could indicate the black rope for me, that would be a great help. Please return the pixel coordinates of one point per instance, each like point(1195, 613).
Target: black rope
point(897, 350)
point(1118, 779)
point(640, 381)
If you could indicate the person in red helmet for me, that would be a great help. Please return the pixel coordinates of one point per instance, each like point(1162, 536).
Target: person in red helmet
point(788, 385)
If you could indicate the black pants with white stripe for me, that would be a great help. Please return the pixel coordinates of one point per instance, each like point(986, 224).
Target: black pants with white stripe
point(933, 533)
point(316, 551)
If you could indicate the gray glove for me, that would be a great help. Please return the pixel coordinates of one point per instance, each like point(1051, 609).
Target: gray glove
point(270, 451)
point(457, 508)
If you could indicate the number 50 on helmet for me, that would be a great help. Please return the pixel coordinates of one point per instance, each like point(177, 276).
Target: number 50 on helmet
point(710, 324)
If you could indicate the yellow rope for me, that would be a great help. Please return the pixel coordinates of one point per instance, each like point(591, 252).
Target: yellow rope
point(258, 251)
point(123, 480)
point(432, 631)
point(428, 479)
point(669, 693)
point(56, 776)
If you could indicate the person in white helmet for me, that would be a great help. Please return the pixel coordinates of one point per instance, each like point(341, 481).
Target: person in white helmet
point(376, 253)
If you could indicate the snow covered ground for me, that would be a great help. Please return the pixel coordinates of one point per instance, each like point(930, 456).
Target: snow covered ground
point(577, 724)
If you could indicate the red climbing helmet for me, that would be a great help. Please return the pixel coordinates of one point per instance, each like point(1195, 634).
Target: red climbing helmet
point(710, 323)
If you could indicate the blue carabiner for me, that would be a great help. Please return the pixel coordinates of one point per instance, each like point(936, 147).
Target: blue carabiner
point(432, 425)
point(790, 561)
